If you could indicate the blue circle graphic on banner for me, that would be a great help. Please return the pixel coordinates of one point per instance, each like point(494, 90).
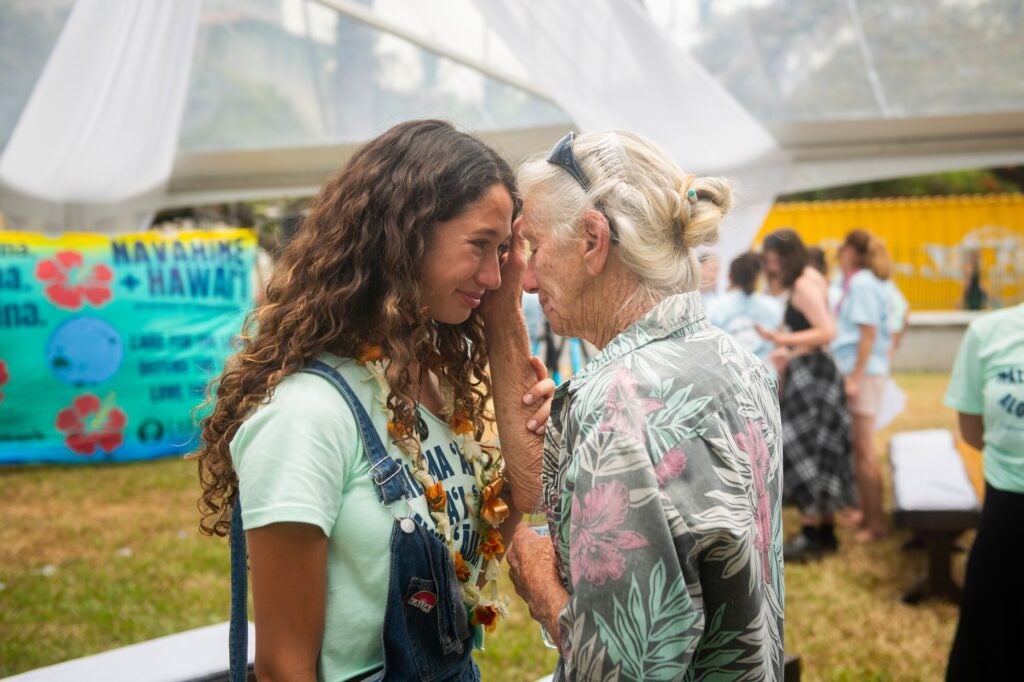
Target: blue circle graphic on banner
point(84, 350)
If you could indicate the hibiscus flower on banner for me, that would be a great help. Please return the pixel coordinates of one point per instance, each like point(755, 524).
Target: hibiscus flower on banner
point(67, 288)
point(107, 343)
point(4, 376)
point(88, 424)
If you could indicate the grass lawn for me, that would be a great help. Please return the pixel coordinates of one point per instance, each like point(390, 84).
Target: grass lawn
point(93, 558)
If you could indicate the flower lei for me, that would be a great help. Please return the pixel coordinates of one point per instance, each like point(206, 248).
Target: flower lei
point(485, 605)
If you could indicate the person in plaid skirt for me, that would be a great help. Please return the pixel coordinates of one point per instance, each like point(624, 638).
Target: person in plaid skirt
point(817, 467)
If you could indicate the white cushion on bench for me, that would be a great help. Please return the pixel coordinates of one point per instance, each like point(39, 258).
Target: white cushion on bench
point(189, 655)
point(928, 472)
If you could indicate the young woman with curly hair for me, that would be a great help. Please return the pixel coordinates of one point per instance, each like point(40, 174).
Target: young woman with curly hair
point(348, 428)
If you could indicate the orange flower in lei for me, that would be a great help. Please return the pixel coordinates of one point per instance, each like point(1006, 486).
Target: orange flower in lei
point(493, 509)
point(486, 615)
point(462, 570)
point(369, 352)
point(437, 498)
point(397, 430)
point(461, 424)
point(492, 544)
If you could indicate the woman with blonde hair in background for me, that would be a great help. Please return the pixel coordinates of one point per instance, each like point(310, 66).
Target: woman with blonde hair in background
point(861, 349)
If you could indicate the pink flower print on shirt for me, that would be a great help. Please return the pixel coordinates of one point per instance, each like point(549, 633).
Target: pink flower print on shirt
point(670, 466)
point(66, 286)
point(624, 412)
point(595, 541)
point(752, 443)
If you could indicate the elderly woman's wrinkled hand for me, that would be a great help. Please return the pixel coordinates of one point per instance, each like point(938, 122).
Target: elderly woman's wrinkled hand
point(540, 394)
point(531, 566)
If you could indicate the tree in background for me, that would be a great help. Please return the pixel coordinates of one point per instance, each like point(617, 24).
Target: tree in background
point(986, 181)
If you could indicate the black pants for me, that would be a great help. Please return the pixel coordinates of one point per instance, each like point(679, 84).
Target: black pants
point(989, 643)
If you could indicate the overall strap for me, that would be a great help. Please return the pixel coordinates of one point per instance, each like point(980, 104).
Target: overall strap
point(384, 471)
point(238, 629)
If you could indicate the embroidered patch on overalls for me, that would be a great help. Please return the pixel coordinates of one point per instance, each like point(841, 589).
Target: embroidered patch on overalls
point(424, 601)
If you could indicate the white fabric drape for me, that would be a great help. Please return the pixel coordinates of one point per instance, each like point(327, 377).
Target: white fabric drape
point(95, 144)
point(608, 66)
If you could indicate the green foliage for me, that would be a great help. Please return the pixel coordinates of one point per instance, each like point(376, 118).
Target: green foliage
point(954, 182)
point(257, 112)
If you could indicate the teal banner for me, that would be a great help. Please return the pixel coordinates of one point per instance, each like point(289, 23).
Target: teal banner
point(107, 343)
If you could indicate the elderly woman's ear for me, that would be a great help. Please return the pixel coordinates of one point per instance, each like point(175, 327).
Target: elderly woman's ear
point(596, 242)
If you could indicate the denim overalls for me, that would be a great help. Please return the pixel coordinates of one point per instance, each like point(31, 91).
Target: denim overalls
point(426, 629)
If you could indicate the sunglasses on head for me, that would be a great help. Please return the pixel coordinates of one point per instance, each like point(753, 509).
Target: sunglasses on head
point(562, 156)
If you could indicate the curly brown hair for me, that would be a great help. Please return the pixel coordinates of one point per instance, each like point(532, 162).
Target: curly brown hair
point(350, 277)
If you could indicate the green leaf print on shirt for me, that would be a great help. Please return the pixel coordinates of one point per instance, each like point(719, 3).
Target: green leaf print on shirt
point(713, 656)
point(648, 640)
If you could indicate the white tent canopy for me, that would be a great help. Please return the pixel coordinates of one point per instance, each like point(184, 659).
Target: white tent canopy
point(111, 109)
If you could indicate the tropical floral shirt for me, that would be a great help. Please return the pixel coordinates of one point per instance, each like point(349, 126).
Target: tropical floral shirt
point(662, 480)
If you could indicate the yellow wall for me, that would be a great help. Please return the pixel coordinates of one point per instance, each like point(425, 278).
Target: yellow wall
point(927, 238)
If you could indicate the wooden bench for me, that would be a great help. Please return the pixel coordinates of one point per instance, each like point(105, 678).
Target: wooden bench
point(935, 499)
point(199, 655)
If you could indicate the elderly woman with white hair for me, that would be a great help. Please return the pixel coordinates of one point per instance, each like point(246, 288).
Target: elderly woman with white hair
point(661, 465)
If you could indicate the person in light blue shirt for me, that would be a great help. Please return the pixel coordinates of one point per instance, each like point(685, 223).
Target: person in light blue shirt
point(861, 351)
point(897, 306)
point(864, 302)
point(739, 310)
point(986, 388)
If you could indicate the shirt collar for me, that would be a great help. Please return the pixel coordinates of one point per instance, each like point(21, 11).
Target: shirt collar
point(677, 315)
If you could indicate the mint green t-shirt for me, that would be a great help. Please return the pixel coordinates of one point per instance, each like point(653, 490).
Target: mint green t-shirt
point(299, 458)
point(988, 380)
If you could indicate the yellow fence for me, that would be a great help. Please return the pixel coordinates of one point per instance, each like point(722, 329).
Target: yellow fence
point(929, 239)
